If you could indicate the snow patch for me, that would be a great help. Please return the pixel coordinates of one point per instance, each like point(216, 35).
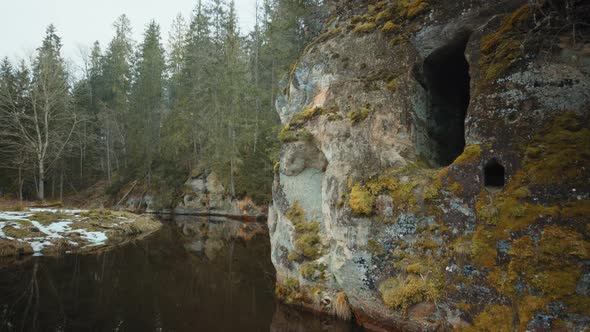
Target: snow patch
point(53, 229)
point(66, 211)
point(95, 238)
point(14, 215)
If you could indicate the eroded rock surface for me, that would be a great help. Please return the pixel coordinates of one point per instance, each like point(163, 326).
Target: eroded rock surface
point(435, 169)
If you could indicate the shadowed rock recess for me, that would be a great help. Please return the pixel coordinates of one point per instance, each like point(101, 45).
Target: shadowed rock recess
point(435, 167)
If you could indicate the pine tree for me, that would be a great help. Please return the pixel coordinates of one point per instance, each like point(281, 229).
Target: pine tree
point(147, 100)
point(117, 74)
point(176, 57)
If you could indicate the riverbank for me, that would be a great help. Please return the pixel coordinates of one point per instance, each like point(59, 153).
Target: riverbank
point(54, 232)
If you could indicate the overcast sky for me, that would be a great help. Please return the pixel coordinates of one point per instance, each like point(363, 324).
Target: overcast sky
point(81, 22)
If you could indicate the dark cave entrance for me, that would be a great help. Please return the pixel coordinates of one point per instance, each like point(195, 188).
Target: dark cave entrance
point(494, 175)
point(446, 80)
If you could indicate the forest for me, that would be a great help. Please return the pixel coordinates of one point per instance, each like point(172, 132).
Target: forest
point(141, 111)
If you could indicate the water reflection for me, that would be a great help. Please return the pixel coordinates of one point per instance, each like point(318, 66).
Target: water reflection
point(192, 275)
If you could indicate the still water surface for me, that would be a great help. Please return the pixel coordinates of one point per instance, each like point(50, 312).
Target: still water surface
point(192, 275)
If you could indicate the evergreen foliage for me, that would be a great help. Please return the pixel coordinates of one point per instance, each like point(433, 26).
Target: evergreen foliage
point(143, 112)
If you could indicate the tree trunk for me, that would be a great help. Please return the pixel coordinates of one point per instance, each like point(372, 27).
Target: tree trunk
point(20, 183)
point(108, 138)
point(232, 163)
point(41, 190)
point(61, 185)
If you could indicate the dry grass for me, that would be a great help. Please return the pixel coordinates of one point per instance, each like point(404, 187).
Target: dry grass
point(341, 306)
point(58, 247)
point(14, 248)
point(18, 233)
point(46, 218)
point(12, 205)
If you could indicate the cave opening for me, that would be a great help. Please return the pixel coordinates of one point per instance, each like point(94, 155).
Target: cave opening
point(494, 175)
point(446, 80)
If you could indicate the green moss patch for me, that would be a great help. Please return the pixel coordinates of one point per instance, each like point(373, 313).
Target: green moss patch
point(289, 291)
point(399, 293)
point(470, 154)
point(313, 271)
point(359, 115)
point(46, 218)
point(365, 27)
point(562, 149)
point(500, 49)
point(287, 134)
point(307, 239)
point(495, 318)
point(361, 200)
point(411, 9)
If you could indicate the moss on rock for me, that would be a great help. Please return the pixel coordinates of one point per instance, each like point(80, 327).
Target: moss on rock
point(361, 200)
point(501, 49)
point(365, 27)
point(399, 293)
point(307, 240)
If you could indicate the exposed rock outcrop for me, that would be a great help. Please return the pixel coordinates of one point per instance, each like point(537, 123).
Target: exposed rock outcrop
point(435, 172)
point(206, 194)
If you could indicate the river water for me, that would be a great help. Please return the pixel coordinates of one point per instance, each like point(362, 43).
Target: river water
point(194, 274)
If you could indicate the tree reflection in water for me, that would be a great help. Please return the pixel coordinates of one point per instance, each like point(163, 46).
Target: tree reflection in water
point(192, 275)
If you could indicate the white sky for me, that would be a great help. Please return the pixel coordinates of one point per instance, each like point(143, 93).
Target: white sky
point(80, 22)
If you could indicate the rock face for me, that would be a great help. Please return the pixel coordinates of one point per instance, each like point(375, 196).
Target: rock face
point(206, 194)
point(436, 168)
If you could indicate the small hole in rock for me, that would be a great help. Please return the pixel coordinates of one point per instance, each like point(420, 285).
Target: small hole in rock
point(494, 175)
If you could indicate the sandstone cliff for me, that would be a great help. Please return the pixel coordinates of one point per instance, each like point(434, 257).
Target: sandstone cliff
point(435, 172)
